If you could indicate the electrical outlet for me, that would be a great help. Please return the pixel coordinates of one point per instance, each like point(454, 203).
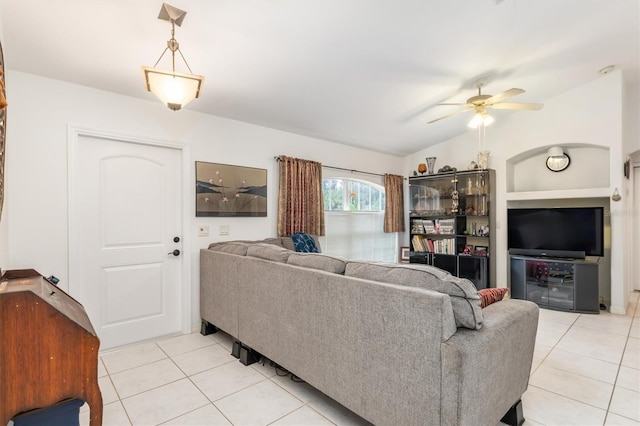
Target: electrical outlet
point(224, 229)
point(203, 231)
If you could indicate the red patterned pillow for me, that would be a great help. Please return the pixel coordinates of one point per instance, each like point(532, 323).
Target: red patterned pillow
point(491, 295)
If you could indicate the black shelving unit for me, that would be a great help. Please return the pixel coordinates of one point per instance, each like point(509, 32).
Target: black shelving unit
point(451, 222)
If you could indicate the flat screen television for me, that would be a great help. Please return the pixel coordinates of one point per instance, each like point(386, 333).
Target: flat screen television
point(556, 232)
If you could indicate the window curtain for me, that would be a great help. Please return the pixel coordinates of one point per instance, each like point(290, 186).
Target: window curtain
point(300, 202)
point(394, 203)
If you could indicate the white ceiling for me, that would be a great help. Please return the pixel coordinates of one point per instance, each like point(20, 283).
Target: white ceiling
point(367, 73)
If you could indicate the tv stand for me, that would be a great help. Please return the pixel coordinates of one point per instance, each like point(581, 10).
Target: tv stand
point(562, 284)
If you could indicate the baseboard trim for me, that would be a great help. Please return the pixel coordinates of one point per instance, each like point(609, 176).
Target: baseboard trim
point(618, 310)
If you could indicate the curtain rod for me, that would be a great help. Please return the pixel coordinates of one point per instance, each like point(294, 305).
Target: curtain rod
point(347, 170)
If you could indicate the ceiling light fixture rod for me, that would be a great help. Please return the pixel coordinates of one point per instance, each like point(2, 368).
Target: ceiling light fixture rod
point(174, 46)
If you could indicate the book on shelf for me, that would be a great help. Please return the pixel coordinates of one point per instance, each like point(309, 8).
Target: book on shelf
point(428, 226)
point(417, 227)
point(439, 246)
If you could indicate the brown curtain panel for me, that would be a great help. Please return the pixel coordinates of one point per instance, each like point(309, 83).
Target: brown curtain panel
point(394, 203)
point(300, 202)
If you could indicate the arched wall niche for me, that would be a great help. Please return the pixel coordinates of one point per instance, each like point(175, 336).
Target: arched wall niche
point(589, 170)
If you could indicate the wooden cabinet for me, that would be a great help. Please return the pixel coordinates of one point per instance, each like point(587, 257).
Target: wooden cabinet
point(48, 348)
point(451, 222)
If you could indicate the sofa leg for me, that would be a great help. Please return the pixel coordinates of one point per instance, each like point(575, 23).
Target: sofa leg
point(207, 328)
point(248, 356)
point(236, 348)
point(514, 416)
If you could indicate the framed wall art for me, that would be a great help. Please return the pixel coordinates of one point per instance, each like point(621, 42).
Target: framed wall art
point(3, 127)
point(405, 253)
point(227, 190)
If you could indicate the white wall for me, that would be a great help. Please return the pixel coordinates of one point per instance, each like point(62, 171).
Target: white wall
point(36, 204)
point(590, 115)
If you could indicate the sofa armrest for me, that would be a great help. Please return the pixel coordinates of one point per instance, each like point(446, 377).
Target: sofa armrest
point(486, 371)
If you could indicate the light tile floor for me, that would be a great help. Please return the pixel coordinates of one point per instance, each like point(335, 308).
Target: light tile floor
point(586, 371)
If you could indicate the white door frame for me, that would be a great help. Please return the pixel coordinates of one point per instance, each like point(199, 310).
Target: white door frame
point(73, 136)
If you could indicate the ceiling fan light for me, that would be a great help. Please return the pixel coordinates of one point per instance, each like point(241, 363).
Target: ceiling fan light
point(488, 119)
point(480, 118)
point(174, 89)
point(475, 121)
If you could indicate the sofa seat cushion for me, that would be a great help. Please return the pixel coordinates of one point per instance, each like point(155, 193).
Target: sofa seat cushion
point(269, 252)
point(320, 261)
point(464, 296)
point(233, 247)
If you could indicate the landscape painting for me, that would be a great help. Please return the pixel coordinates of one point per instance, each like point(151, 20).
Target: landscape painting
point(227, 190)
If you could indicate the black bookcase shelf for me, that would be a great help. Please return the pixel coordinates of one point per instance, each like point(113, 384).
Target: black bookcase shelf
point(451, 220)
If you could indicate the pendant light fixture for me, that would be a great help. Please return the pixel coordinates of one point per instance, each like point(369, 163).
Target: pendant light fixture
point(174, 89)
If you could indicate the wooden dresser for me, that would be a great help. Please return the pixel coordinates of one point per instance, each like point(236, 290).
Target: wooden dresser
point(48, 348)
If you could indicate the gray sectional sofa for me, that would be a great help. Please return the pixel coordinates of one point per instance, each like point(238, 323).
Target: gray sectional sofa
point(398, 344)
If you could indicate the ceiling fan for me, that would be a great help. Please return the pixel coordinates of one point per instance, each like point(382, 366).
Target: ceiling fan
point(480, 103)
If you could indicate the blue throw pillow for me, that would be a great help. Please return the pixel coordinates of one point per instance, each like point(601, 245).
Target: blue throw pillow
point(304, 243)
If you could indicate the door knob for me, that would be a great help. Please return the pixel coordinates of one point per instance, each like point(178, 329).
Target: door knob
point(176, 252)
point(176, 239)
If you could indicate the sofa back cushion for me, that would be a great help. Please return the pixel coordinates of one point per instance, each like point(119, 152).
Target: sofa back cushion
point(463, 294)
point(269, 252)
point(233, 247)
point(320, 261)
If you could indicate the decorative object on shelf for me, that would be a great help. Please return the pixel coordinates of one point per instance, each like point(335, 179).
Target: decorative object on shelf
point(454, 202)
point(557, 159)
point(174, 89)
point(480, 251)
point(422, 168)
point(483, 159)
point(627, 168)
point(472, 165)
point(447, 169)
point(616, 195)
point(404, 254)
point(431, 164)
point(226, 190)
point(468, 249)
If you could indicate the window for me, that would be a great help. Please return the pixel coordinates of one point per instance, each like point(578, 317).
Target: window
point(354, 217)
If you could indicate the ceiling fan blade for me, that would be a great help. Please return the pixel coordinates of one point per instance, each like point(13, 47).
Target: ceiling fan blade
point(504, 95)
point(458, 104)
point(508, 105)
point(450, 115)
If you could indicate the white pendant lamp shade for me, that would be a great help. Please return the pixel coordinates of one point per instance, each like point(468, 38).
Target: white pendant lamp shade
point(174, 89)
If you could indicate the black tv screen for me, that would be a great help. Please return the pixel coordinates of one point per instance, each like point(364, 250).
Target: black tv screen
point(574, 229)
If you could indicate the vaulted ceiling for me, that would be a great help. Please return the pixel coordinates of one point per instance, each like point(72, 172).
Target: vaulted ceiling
point(367, 73)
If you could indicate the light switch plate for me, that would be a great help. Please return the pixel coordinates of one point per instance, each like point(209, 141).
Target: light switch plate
point(224, 229)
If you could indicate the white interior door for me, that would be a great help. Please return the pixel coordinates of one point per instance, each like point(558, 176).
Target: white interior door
point(127, 213)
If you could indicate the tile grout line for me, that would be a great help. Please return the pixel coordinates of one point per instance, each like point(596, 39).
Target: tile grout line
point(620, 366)
point(195, 385)
point(304, 404)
